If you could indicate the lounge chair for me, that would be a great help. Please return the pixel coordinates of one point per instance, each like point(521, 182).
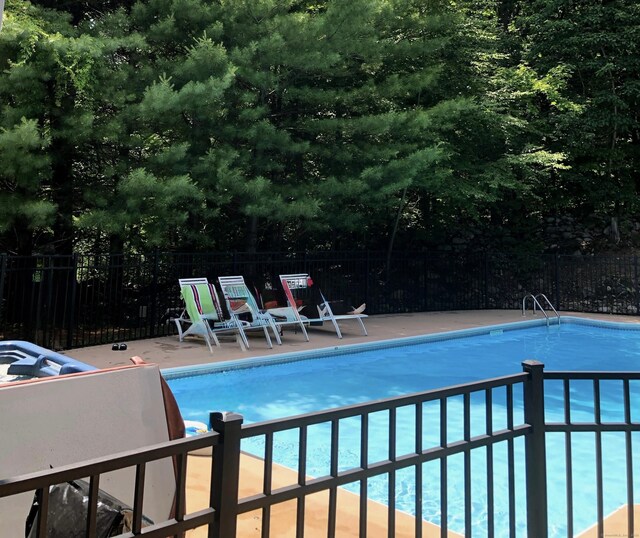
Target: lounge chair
point(204, 316)
point(240, 301)
point(302, 281)
point(285, 316)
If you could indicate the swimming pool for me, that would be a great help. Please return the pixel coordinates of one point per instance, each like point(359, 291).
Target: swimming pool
point(289, 386)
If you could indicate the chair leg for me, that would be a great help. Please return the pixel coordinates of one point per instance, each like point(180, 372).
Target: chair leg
point(179, 326)
point(266, 335)
point(364, 330)
point(244, 343)
point(213, 335)
point(207, 339)
point(304, 331)
point(274, 328)
point(335, 324)
point(240, 341)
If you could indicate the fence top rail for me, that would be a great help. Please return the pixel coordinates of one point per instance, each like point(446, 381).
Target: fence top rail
point(105, 464)
point(364, 408)
point(594, 375)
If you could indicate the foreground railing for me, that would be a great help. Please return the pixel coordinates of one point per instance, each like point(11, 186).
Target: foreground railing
point(395, 460)
point(610, 416)
point(40, 482)
point(475, 422)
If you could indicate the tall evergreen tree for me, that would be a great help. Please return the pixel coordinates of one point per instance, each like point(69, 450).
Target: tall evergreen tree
point(45, 67)
point(291, 124)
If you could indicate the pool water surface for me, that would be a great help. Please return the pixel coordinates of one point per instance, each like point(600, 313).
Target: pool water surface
point(279, 390)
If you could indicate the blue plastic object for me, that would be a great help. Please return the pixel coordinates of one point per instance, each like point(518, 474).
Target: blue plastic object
point(31, 360)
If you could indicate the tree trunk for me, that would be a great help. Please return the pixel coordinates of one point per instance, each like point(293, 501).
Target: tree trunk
point(24, 238)
point(395, 230)
point(252, 234)
point(62, 183)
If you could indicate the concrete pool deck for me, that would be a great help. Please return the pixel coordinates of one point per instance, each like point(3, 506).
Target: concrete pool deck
point(168, 352)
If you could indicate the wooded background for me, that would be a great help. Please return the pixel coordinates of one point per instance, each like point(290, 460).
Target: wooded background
point(217, 125)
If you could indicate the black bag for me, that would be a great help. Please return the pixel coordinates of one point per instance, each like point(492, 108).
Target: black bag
point(68, 509)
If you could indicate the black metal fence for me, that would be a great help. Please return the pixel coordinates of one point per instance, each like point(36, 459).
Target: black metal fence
point(521, 400)
point(41, 482)
point(62, 302)
point(424, 448)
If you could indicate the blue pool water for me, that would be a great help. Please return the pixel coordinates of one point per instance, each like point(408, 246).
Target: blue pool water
point(279, 390)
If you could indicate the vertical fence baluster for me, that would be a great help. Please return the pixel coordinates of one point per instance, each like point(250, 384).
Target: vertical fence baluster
point(107, 291)
point(489, 455)
point(302, 471)
point(81, 290)
point(598, 434)
point(138, 498)
point(333, 492)
point(557, 281)
point(364, 464)
point(418, 470)
point(367, 279)
point(43, 512)
point(49, 322)
point(636, 291)
point(3, 272)
point(152, 318)
point(535, 451)
point(71, 308)
point(511, 464)
point(225, 474)
point(467, 463)
point(568, 456)
point(629, 458)
point(266, 486)
point(40, 272)
point(444, 503)
point(485, 280)
point(391, 525)
point(92, 508)
point(181, 477)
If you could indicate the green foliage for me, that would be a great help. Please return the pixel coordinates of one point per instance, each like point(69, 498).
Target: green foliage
point(596, 48)
point(148, 210)
point(290, 124)
point(23, 198)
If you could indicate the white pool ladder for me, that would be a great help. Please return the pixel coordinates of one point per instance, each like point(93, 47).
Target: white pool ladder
point(537, 305)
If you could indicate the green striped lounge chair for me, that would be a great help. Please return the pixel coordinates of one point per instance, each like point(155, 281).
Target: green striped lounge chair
point(203, 314)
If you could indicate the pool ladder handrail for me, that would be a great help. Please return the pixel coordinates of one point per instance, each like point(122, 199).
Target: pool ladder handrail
point(537, 304)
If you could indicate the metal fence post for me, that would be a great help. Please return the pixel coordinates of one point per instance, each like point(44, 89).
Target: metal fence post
point(557, 280)
point(225, 474)
point(154, 296)
point(367, 277)
point(535, 451)
point(3, 271)
point(38, 277)
point(485, 278)
point(71, 309)
point(635, 285)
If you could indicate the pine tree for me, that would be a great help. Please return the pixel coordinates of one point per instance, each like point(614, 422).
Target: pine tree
point(43, 66)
